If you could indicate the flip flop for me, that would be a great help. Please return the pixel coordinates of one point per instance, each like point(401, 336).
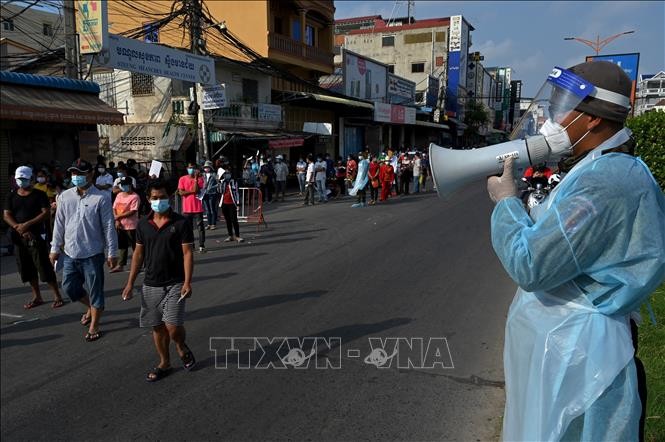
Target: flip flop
point(57, 304)
point(157, 373)
point(188, 360)
point(32, 304)
point(89, 337)
point(85, 319)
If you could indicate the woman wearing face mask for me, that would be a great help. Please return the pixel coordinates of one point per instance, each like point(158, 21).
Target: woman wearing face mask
point(230, 199)
point(210, 201)
point(125, 209)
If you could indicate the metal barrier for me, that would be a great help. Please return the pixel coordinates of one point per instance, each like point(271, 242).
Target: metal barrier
point(250, 207)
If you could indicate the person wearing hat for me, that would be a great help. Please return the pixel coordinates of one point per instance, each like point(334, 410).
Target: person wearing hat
point(84, 230)
point(585, 260)
point(26, 212)
point(126, 211)
point(281, 172)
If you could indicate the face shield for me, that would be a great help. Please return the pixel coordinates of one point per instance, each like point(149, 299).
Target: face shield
point(562, 92)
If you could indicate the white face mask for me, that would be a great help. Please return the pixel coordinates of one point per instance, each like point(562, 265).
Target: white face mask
point(557, 138)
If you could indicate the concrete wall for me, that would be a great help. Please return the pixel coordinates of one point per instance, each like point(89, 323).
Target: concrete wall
point(232, 75)
point(405, 52)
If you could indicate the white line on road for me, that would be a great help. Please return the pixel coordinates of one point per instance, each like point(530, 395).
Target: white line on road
point(8, 315)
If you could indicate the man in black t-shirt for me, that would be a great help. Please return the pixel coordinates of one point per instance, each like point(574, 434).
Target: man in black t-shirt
point(164, 244)
point(26, 212)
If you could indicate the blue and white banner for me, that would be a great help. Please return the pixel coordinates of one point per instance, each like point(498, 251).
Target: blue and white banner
point(152, 59)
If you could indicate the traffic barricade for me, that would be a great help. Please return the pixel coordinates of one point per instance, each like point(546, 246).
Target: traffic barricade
point(250, 207)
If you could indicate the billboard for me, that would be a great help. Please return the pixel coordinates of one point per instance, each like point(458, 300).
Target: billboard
point(92, 25)
point(628, 62)
point(364, 78)
point(393, 113)
point(458, 46)
point(401, 90)
point(432, 91)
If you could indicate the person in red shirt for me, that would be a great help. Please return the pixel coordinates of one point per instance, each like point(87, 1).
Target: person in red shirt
point(229, 190)
point(539, 172)
point(373, 175)
point(351, 171)
point(387, 177)
point(189, 189)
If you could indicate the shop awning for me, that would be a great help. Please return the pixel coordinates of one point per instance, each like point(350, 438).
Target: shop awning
point(258, 135)
point(433, 125)
point(37, 100)
point(310, 98)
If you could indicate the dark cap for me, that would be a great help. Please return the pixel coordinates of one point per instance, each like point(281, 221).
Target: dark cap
point(608, 76)
point(81, 165)
point(126, 181)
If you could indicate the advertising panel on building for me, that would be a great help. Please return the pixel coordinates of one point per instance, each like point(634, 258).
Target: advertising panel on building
point(393, 113)
point(92, 25)
point(364, 78)
point(401, 90)
point(458, 46)
point(432, 91)
point(628, 62)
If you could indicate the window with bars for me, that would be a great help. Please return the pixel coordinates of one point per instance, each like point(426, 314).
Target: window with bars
point(142, 85)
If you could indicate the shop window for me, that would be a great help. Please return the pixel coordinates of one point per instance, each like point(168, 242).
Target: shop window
point(142, 85)
point(417, 67)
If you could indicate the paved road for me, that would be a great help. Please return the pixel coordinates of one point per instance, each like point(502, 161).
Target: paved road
point(417, 267)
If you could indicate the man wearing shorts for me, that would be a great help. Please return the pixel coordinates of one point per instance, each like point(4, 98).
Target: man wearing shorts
point(84, 229)
point(26, 212)
point(164, 241)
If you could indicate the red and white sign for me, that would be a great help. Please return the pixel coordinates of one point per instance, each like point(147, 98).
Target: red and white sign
point(393, 113)
point(289, 142)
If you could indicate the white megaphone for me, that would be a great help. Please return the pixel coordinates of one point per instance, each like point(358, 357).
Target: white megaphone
point(452, 168)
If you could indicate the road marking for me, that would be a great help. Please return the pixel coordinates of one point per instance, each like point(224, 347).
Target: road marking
point(10, 315)
point(25, 320)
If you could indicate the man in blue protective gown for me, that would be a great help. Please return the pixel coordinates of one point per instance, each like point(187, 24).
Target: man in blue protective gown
point(585, 260)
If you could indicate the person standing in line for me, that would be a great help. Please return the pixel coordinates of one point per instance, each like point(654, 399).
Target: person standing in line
point(122, 172)
point(360, 185)
point(417, 167)
point(103, 179)
point(210, 198)
point(310, 182)
point(281, 173)
point(374, 181)
point(26, 212)
point(351, 171)
point(320, 168)
point(301, 171)
point(189, 188)
point(229, 204)
point(84, 228)
point(126, 211)
point(164, 241)
point(387, 177)
point(340, 176)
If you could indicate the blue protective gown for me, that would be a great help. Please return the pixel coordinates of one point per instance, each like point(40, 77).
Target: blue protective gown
point(584, 259)
point(361, 177)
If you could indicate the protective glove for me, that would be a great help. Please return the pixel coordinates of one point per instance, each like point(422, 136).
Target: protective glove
point(503, 186)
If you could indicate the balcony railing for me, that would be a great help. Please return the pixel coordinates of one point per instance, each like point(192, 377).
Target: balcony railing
point(289, 46)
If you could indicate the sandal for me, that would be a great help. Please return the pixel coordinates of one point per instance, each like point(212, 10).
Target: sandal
point(188, 360)
point(89, 337)
point(58, 303)
point(85, 319)
point(32, 304)
point(157, 374)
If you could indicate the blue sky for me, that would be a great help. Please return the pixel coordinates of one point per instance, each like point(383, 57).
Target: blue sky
point(528, 36)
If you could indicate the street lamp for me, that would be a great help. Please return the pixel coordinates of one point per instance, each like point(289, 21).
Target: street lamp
point(599, 44)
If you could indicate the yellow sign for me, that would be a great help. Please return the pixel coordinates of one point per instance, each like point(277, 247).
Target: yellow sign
point(92, 25)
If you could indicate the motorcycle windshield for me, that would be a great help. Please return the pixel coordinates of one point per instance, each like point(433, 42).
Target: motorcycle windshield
point(562, 92)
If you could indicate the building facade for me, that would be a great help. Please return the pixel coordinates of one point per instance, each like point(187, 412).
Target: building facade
point(650, 92)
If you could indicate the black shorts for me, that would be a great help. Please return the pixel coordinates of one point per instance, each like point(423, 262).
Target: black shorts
point(32, 261)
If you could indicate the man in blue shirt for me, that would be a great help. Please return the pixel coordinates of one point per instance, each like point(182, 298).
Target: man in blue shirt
point(85, 229)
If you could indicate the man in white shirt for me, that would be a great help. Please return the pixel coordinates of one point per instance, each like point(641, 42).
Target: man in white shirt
point(417, 166)
point(310, 182)
point(281, 173)
point(122, 172)
point(320, 168)
point(105, 180)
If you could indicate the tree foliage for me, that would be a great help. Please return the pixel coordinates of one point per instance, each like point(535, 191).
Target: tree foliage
point(649, 133)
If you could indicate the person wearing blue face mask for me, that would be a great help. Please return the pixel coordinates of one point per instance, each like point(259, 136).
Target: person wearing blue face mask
point(189, 189)
point(26, 212)
point(126, 211)
point(84, 230)
point(164, 241)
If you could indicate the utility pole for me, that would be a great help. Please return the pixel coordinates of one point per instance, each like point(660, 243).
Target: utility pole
point(408, 10)
point(195, 33)
point(71, 50)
